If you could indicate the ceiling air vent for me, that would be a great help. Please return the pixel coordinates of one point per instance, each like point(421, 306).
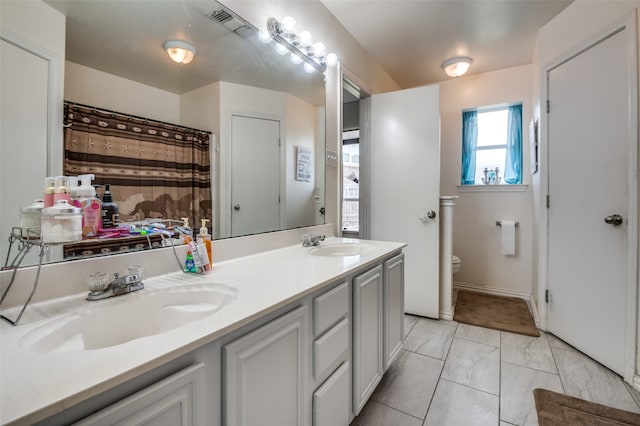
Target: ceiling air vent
point(229, 21)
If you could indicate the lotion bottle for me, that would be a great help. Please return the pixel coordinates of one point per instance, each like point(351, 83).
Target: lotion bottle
point(90, 205)
point(205, 238)
point(49, 190)
point(62, 189)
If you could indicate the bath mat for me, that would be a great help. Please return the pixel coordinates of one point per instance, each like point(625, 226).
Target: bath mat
point(497, 312)
point(555, 409)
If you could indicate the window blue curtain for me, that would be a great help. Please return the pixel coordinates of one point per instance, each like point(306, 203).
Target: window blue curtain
point(513, 161)
point(469, 143)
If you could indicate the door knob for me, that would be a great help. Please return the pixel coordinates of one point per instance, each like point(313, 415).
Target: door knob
point(236, 207)
point(430, 215)
point(614, 219)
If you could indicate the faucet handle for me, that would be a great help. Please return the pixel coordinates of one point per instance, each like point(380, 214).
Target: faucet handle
point(306, 240)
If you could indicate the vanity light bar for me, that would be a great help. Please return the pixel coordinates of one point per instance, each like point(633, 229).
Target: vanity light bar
point(299, 44)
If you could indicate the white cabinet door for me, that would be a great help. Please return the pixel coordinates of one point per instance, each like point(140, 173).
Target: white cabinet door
point(265, 373)
point(331, 400)
point(393, 308)
point(405, 187)
point(367, 335)
point(177, 400)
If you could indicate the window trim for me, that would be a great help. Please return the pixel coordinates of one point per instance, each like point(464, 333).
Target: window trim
point(501, 187)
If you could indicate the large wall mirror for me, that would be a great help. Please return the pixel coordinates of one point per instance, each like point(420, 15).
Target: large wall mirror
point(237, 87)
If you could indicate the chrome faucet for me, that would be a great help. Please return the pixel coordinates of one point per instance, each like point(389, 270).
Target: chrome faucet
point(309, 240)
point(120, 285)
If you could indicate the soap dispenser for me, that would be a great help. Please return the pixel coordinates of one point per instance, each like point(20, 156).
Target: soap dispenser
point(205, 238)
point(110, 216)
point(49, 190)
point(90, 205)
point(62, 189)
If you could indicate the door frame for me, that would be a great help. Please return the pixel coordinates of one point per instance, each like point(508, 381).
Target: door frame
point(226, 190)
point(364, 231)
point(631, 322)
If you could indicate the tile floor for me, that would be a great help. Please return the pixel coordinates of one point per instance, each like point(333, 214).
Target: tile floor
point(458, 374)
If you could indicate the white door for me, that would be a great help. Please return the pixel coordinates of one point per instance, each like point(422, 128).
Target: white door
point(405, 187)
point(255, 170)
point(590, 142)
point(24, 113)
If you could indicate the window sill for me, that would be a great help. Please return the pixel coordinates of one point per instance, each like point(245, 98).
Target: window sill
point(493, 188)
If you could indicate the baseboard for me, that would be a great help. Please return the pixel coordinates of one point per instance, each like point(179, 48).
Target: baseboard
point(501, 292)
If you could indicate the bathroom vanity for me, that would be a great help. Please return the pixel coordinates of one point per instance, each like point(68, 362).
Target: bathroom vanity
point(293, 336)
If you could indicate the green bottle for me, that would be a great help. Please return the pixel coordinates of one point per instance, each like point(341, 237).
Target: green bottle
point(189, 264)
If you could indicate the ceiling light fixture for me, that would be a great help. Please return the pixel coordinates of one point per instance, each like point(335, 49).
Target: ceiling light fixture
point(455, 67)
point(300, 45)
point(180, 51)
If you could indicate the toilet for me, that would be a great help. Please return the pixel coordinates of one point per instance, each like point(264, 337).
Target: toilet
point(455, 264)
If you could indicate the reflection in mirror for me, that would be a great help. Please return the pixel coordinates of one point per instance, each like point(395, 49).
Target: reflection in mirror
point(265, 114)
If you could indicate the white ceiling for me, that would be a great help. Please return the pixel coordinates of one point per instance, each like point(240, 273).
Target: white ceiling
point(411, 38)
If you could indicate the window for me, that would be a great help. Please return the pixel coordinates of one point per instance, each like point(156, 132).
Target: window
point(492, 145)
point(350, 186)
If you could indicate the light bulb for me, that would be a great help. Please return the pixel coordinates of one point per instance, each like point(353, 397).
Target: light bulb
point(264, 37)
point(308, 68)
point(295, 58)
point(318, 49)
point(288, 24)
point(281, 49)
point(332, 59)
point(304, 38)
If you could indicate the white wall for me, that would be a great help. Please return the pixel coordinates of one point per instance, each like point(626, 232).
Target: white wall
point(476, 238)
point(300, 203)
point(97, 88)
point(299, 128)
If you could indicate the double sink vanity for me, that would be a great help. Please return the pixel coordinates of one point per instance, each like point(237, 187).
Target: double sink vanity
point(291, 336)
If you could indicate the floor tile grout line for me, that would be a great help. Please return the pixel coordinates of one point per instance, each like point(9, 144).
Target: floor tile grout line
point(475, 341)
point(534, 369)
point(555, 361)
point(444, 362)
point(398, 410)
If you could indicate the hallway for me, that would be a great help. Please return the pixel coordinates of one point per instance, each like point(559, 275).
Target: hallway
point(459, 374)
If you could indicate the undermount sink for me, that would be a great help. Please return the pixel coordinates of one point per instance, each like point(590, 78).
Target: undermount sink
point(340, 249)
point(129, 317)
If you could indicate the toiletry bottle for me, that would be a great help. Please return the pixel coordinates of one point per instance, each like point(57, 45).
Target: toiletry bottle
point(110, 216)
point(90, 205)
point(186, 239)
point(49, 190)
point(62, 189)
point(205, 238)
point(189, 264)
point(73, 191)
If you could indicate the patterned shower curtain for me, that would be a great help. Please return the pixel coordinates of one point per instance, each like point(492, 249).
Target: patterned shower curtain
point(155, 169)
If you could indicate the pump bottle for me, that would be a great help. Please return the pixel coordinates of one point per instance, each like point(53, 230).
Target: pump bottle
point(49, 190)
point(62, 189)
point(90, 206)
point(205, 238)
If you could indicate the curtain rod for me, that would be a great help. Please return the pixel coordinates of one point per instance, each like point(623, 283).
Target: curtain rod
point(137, 117)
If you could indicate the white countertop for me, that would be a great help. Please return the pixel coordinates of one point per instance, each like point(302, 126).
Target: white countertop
point(34, 385)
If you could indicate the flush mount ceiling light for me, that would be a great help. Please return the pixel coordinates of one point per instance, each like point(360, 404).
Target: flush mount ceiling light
point(300, 45)
point(455, 67)
point(180, 51)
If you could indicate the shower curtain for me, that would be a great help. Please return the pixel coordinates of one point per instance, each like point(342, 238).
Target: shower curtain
point(155, 169)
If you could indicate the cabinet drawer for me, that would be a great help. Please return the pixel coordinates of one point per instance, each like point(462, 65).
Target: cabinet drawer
point(329, 307)
point(328, 348)
point(331, 400)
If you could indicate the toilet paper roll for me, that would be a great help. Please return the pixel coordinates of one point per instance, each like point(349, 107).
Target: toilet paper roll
point(508, 237)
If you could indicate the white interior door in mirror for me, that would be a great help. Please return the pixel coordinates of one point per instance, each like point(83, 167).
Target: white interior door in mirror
point(24, 79)
point(255, 170)
point(405, 184)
